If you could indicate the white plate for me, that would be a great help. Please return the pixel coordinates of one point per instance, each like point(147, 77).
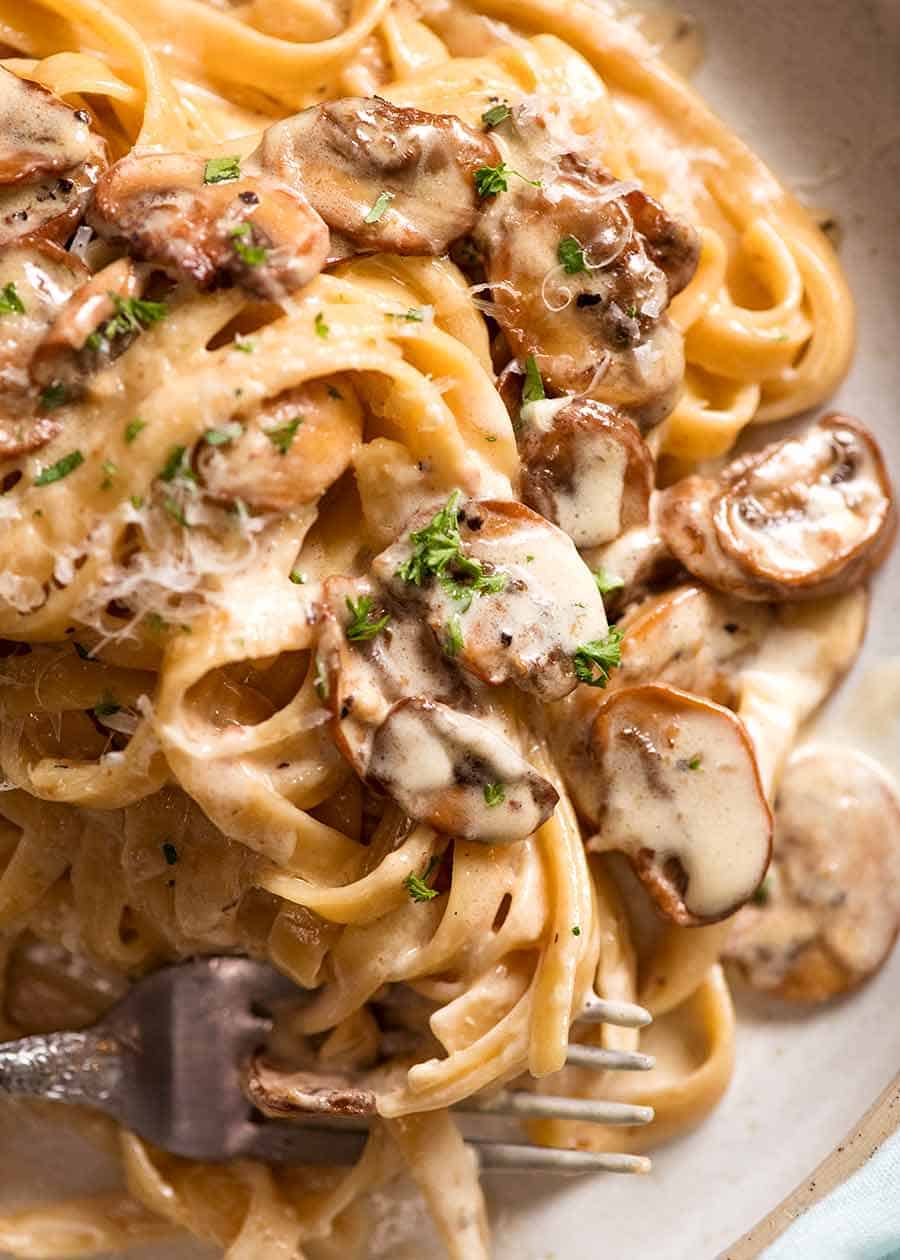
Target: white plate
point(813, 85)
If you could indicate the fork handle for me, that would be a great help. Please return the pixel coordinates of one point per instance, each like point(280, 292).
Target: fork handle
point(76, 1067)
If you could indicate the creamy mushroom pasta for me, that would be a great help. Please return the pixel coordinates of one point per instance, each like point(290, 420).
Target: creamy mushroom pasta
point(379, 591)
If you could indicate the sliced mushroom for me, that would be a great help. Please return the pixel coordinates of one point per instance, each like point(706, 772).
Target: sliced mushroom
point(585, 468)
point(596, 326)
point(50, 161)
point(280, 1094)
point(458, 774)
point(386, 178)
point(64, 355)
point(829, 911)
point(540, 601)
point(252, 231)
point(43, 277)
point(287, 451)
point(803, 518)
point(677, 790)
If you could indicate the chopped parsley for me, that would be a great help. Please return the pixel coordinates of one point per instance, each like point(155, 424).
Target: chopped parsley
point(110, 470)
point(107, 706)
point(176, 512)
point(245, 344)
point(170, 853)
point(454, 642)
point(494, 794)
point(62, 468)
point(10, 302)
point(242, 244)
point(490, 180)
point(320, 680)
point(593, 661)
point(55, 395)
point(137, 502)
point(607, 581)
point(155, 622)
point(176, 465)
point(297, 577)
point(695, 762)
point(571, 255)
point(282, 438)
point(576, 930)
point(133, 428)
point(222, 170)
point(417, 885)
point(227, 433)
point(414, 315)
point(382, 201)
point(362, 625)
point(494, 116)
point(132, 315)
point(322, 329)
point(437, 552)
point(533, 388)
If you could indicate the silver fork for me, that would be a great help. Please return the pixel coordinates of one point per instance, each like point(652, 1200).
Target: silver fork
point(167, 1062)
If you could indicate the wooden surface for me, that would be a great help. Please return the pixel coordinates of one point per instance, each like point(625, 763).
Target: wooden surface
point(880, 1121)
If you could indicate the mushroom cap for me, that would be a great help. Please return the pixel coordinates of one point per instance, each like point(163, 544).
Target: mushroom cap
point(527, 632)
point(586, 468)
point(458, 774)
point(50, 161)
point(346, 154)
point(275, 476)
point(158, 206)
point(279, 1093)
point(677, 790)
point(805, 517)
point(601, 330)
point(830, 911)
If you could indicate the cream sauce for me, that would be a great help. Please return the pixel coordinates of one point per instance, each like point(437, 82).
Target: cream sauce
point(39, 134)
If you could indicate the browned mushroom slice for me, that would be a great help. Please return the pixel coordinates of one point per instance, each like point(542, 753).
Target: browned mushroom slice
point(252, 231)
point(513, 605)
point(286, 452)
point(576, 284)
point(458, 774)
point(49, 161)
point(282, 1094)
point(386, 178)
point(828, 913)
point(803, 518)
point(585, 468)
point(363, 677)
point(677, 790)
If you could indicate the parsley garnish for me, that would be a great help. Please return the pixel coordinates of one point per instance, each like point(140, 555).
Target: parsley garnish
point(10, 302)
point(320, 680)
point(417, 885)
point(322, 329)
point(60, 469)
point(533, 388)
point(695, 762)
point(362, 625)
point(175, 465)
point(54, 396)
point(437, 552)
point(155, 622)
point(607, 581)
point(172, 507)
point(494, 794)
point(244, 344)
point(107, 706)
point(133, 428)
point(241, 242)
point(297, 577)
point(132, 315)
point(571, 255)
point(490, 180)
point(228, 433)
point(414, 315)
point(222, 170)
point(282, 438)
point(382, 202)
point(494, 116)
point(110, 470)
point(137, 502)
point(170, 853)
point(454, 642)
point(593, 661)
point(576, 930)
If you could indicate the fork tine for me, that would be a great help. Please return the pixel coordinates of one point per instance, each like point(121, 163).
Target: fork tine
point(515, 1157)
point(608, 1060)
point(521, 1103)
point(624, 1014)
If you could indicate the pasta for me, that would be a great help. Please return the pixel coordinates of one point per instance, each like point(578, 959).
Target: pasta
point(172, 781)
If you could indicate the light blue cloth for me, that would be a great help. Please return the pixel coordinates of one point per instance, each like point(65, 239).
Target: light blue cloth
point(860, 1220)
